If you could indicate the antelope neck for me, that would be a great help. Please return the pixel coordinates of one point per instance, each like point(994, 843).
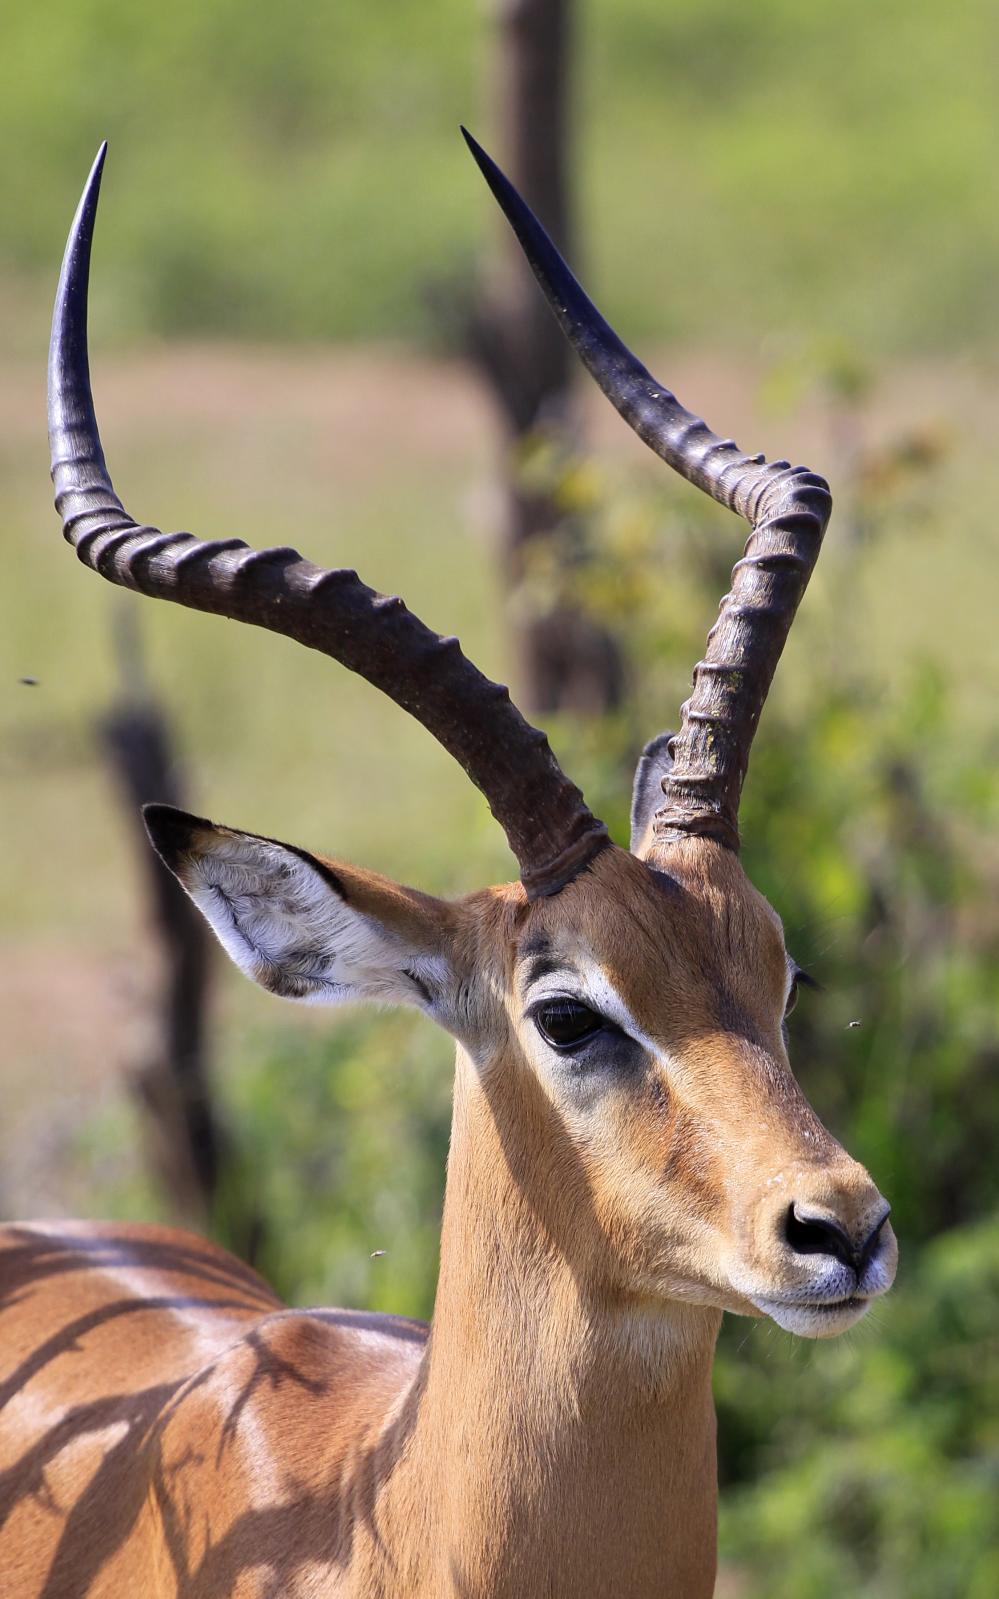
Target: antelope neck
point(560, 1446)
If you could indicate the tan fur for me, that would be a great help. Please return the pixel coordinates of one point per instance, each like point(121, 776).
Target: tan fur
point(168, 1430)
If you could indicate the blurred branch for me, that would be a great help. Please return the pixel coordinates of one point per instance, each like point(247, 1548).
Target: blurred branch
point(519, 345)
point(568, 658)
point(188, 1148)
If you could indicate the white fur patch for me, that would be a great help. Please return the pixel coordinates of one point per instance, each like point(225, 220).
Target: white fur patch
point(286, 927)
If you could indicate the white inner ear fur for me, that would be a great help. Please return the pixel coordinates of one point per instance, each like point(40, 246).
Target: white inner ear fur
point(286, 927)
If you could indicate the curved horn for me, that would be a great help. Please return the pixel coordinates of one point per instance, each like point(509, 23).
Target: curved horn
point(550, 830)
point(787, 507)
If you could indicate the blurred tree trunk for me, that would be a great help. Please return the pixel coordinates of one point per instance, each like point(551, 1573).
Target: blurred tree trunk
point(568, 660)
point(188, 1150)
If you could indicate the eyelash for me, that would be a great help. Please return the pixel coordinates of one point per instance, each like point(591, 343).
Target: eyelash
point(565, 1007)
point(799, 979)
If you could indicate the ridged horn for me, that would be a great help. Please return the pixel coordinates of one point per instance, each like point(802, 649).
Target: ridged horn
point(786, 506)
point(549, 828)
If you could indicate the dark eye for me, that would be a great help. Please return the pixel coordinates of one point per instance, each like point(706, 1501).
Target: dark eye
point(800, 979)
point(564, 1023)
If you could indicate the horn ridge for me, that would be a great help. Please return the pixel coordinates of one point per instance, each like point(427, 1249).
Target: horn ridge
point(551, 831)
point(787, 507)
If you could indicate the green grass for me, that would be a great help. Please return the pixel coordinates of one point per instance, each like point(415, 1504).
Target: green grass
point(746, 174)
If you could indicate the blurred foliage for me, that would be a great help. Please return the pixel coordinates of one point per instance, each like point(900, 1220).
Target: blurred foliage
point(295, 171)
point(347, 1140)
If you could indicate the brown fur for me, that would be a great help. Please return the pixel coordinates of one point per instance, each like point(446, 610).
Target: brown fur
point(166, 1429)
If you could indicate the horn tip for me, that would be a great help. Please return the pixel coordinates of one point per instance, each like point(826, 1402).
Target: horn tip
point(96, 171)
point(485, 163)
point(72, 283)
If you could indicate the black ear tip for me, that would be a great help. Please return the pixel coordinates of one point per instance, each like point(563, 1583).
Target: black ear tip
point(171, 830)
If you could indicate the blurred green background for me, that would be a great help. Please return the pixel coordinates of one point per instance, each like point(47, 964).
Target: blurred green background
point(792, 211)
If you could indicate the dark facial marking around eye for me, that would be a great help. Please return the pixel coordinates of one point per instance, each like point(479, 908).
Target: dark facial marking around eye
point(542, 965)
point(538, 959)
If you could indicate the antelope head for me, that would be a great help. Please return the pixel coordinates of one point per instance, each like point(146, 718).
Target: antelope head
point(620, 1013)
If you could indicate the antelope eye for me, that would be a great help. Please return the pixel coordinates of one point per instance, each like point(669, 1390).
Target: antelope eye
point(564, 1023)
point(800, 979)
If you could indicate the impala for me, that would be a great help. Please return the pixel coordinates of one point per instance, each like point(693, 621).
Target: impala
point(630, 1153)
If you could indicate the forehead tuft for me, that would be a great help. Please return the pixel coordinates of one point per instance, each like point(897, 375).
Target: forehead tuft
point(686, 924)
point(618, 897)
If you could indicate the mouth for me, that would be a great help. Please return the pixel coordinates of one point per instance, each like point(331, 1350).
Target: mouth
point(821, 1319)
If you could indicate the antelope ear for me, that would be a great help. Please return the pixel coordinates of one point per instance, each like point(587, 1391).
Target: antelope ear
point(302, 927)
point(647, 794)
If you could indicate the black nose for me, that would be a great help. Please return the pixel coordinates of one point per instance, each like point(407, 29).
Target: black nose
point(811, 1232)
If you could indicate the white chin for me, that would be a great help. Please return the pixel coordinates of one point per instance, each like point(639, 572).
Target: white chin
point(814, 1321)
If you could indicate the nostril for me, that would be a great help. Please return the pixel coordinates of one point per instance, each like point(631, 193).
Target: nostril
point(811, 1234)
point(871, 1241)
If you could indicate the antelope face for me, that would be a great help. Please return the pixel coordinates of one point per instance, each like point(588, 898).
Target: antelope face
point(625, 1040)
point(648, 999)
